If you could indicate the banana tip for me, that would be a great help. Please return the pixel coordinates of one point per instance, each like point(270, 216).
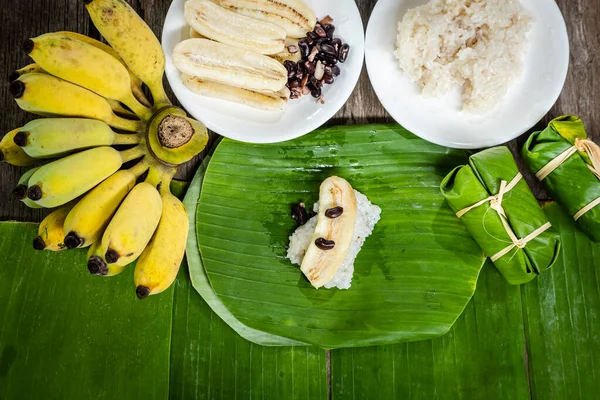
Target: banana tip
point(20, 192)
point(38, 243)
point(97, 266)
point(111, 256)
point(20, 139)
point(142, 292)
point(17, 89)
point(28, 46)
point(13, 76)
point(73, 240)
point(34, 193)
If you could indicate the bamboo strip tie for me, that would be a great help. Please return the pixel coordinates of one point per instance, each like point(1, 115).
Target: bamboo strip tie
point(496, 204)
point(593, 152)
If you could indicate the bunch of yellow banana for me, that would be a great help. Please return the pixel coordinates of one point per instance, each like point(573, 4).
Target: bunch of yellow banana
point(102, 136)
point(237, 49)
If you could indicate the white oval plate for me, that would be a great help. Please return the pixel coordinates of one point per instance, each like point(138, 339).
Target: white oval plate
point(301, 116)
point(440, 120)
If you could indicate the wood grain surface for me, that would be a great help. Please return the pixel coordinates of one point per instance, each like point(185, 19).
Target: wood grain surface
point(22, 19)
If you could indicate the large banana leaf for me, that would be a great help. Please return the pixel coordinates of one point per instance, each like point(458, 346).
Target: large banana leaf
point(413, 277)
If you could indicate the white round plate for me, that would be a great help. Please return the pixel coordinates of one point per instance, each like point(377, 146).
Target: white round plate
point(301, 116)
point(441, 120)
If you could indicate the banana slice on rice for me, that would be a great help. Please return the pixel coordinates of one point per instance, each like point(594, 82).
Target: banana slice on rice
point(295, 16)
point(225, 26)
point(334, 232)
point(266, 100)
point(211, 61)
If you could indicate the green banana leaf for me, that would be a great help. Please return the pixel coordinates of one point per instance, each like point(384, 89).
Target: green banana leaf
point(537, 341)
point(65, 334)
point(468, 185)
point(413, 277)
point(572, 184)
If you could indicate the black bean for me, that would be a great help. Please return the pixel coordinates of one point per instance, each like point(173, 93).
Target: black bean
point(320, 31)
point(293, 83)
point(304, 48)
point(314, 82)
point(313, 35)
point(335, 70)
point(299, 75)
point(320, 41)
point(309, 67)
point(293, 49)
point(329, 29)
point(335, 212)
point(337, 43)
point(299, 214)
point(328, 60)
point(328, 79)
point(344, 52)
point(291, 67)
point(316, 93)
point(324, 244)
point(328, 50)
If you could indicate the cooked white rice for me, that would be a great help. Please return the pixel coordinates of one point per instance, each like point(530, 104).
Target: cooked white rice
point(367, 216)
point(477, 45)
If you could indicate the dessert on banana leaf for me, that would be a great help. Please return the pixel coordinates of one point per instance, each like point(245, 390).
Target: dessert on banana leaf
point(326, 245)
point(496, 205)
point(568, 164)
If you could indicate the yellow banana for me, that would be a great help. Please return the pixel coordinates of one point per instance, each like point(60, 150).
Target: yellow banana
point(63, 180)
point(90, 217)
point(98, 266)
point(50, 96)
point(52, 137)
point(137, 45)
point(20, 191)
point(13, 154)
point(159, 263)
point(85, 65)
point(50, 232)
point(25, 70)
point(133, 225)
point(136, 83)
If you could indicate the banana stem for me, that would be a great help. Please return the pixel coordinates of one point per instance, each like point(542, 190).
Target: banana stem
point(126, 124)
point(161, 176)
point(127, 138)
point(132, 154)
point(158, 93)
point(142, 112)
point(140, 168)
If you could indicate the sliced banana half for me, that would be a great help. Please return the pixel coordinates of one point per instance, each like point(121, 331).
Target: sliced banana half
point(334, 232)
point(225, 26)
point(216, 62)
point(267, 100)
point(295, 16)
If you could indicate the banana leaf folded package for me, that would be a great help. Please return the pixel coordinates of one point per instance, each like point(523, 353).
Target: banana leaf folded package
point(568, 164)
point(497, 207)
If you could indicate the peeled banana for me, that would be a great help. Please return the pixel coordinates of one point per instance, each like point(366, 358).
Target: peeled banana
point(225, 26)
point(13, 154)
point(212, 61)
point(88, 219)
point(50, 233)
point(136, 83)
point(295, 16)
point(157, 267)
point(269, 101)
point(132, 227)
point(85, 65)
point(134, 41)
point(50, 96)
point(320, 265)
point(52, 137)
point(20, 191)
point(63, 180)
point(97, 264)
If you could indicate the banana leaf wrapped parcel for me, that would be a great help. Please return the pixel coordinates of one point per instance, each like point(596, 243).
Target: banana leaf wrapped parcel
point(568, 164)
point(496, 205)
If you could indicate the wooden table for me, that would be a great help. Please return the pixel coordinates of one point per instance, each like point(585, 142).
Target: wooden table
point(22, 19)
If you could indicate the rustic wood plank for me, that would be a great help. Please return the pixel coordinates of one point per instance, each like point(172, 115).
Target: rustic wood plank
point(27, 18)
